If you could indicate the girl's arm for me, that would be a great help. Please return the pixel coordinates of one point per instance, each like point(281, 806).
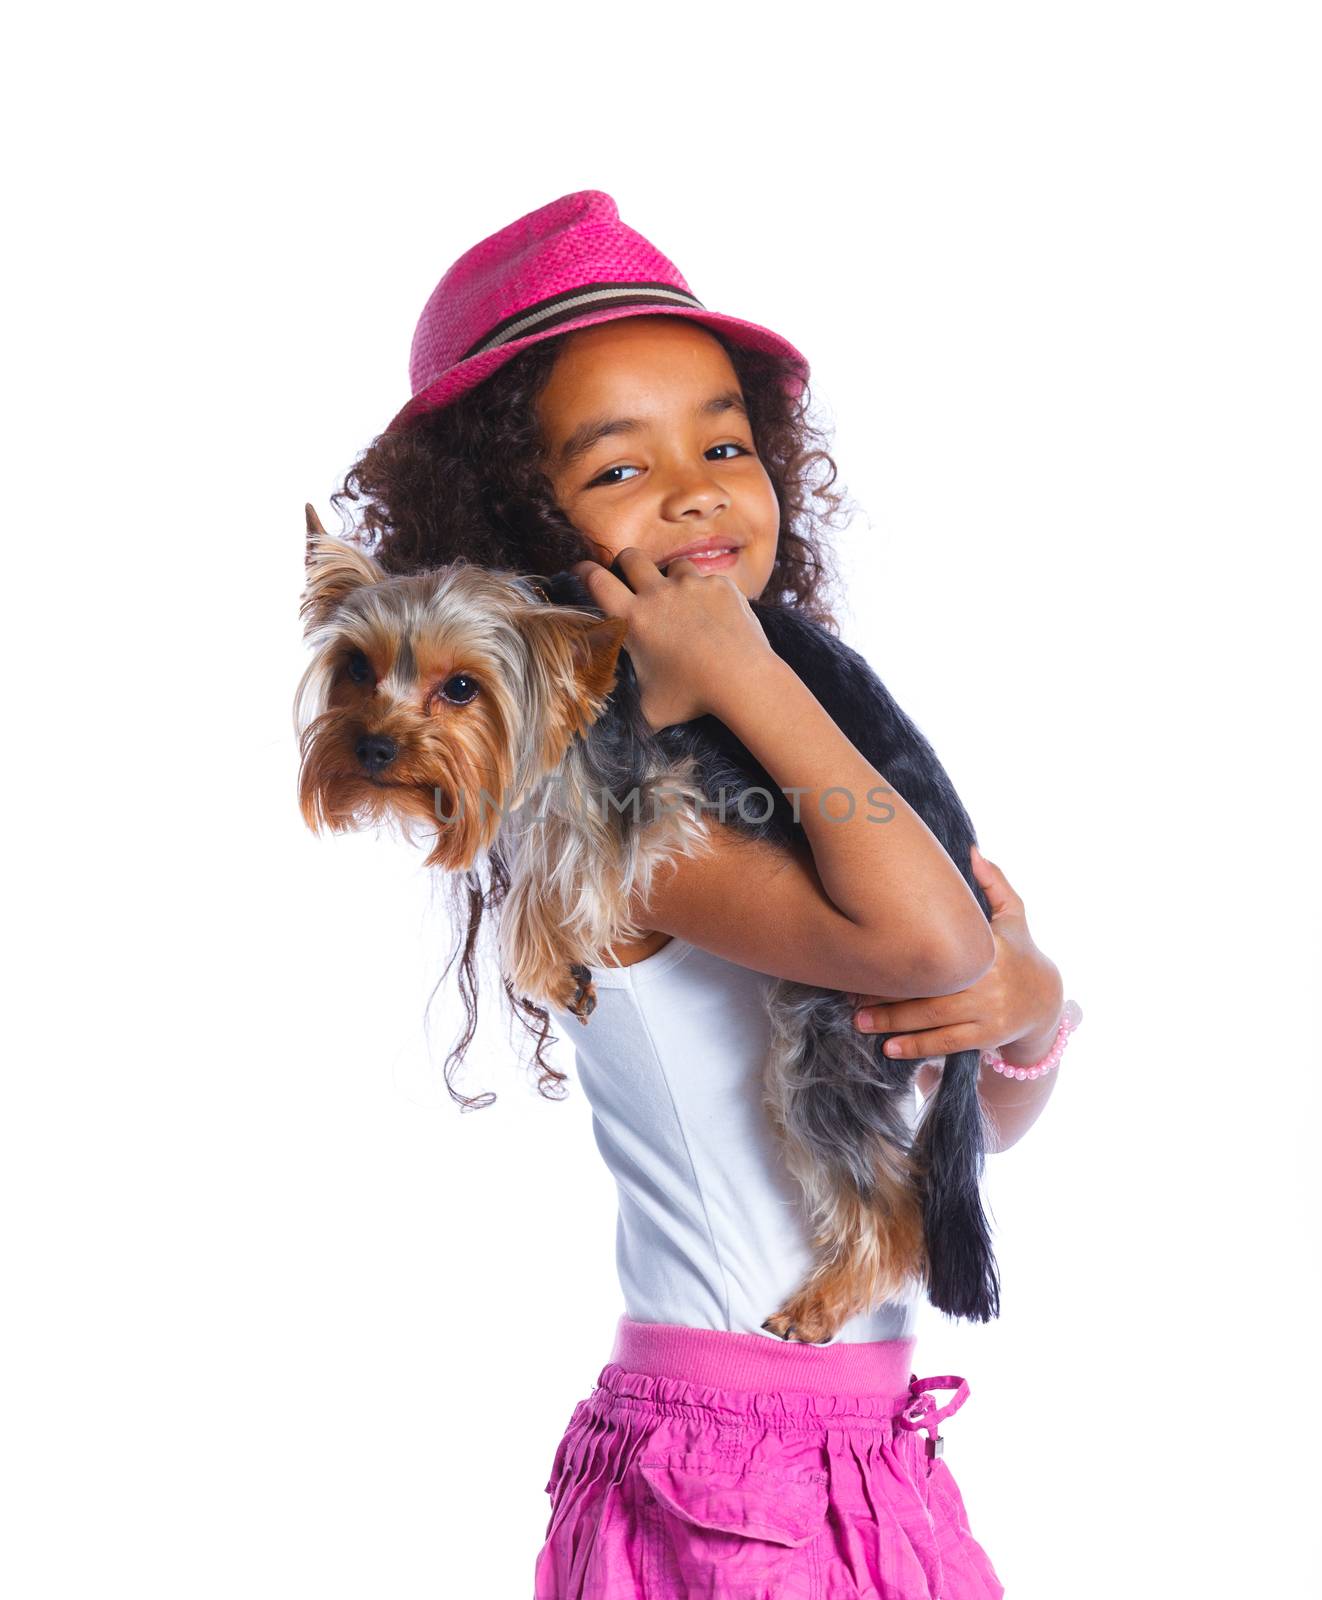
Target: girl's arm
point(872, 902)
point(1016, 1009)
point(868, 854)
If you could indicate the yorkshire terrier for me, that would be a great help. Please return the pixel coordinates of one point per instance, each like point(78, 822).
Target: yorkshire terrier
point(498, 712)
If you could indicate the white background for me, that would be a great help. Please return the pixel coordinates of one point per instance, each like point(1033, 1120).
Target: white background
point(279, 1319)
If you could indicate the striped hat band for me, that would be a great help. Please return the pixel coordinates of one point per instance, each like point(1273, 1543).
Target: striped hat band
point(573, 303)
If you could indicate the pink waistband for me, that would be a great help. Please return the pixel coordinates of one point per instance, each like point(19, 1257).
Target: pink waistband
point(721, 1360)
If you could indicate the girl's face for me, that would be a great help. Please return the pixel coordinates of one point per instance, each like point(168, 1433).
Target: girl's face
point(647, 443)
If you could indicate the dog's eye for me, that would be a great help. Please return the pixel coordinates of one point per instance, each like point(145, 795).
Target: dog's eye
point(358, 667)
point(460, 689)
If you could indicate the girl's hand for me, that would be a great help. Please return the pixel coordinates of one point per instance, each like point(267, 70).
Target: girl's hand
point(691, 635)
point(1015, 1008)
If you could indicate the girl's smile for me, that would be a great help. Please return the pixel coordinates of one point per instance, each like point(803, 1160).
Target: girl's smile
point(647, 443)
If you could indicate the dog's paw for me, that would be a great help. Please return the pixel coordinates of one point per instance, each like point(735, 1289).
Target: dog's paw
point(804, 1320)
point(583, 1002)
point(569, 988)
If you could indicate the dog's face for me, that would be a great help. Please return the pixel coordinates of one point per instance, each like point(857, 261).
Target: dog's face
point(437, 700)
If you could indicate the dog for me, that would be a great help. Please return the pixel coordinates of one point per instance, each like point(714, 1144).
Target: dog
point(498, 713)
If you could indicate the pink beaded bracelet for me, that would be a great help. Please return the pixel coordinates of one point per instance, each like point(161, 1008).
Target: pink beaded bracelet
point(1070, 1019)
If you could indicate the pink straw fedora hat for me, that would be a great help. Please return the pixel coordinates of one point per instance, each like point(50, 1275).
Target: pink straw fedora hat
point(567, 265)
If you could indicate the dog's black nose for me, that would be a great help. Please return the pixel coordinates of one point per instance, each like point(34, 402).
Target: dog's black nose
point(375, 751)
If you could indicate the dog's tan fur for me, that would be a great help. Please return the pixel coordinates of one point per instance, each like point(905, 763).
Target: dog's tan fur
point(511, 755)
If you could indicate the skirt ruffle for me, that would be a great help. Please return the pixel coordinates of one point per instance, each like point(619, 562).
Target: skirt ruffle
point(667, 1490)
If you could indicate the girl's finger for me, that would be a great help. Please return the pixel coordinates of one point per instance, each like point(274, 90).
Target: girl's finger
point(635, 565)
point(1000, 896)
point(907, 1016)
point(937, 1042)
point(606, 589)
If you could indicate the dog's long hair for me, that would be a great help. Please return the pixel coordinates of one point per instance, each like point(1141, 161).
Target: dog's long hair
point(429, 688)
point(844, 1067)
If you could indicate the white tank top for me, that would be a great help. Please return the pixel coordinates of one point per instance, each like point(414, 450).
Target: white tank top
point(712, 1229)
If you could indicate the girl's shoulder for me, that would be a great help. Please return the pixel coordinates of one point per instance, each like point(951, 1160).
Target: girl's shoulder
point(631, 951)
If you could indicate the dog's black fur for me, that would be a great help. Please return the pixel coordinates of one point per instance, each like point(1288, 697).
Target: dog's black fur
point(950, 1140)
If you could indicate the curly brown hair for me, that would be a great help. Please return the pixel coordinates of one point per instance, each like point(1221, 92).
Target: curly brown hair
point(466, 480)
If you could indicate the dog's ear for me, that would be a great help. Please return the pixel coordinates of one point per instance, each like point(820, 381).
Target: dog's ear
point(597, 640)
point(582, 678)
point(596, 645)
point(334, 569)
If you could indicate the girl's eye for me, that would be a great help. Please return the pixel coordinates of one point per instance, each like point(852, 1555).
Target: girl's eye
point(460, 689)
point(358, 667)
point(605, 477)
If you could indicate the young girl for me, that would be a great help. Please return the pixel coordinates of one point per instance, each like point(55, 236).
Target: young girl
point(574, 406)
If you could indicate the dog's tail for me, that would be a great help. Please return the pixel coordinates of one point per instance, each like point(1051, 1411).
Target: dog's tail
point(949, 1147)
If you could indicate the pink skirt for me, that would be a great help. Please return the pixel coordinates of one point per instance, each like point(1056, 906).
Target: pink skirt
point(729, 1466)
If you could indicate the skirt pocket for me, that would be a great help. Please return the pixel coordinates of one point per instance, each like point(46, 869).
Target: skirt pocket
point(738, 1530)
